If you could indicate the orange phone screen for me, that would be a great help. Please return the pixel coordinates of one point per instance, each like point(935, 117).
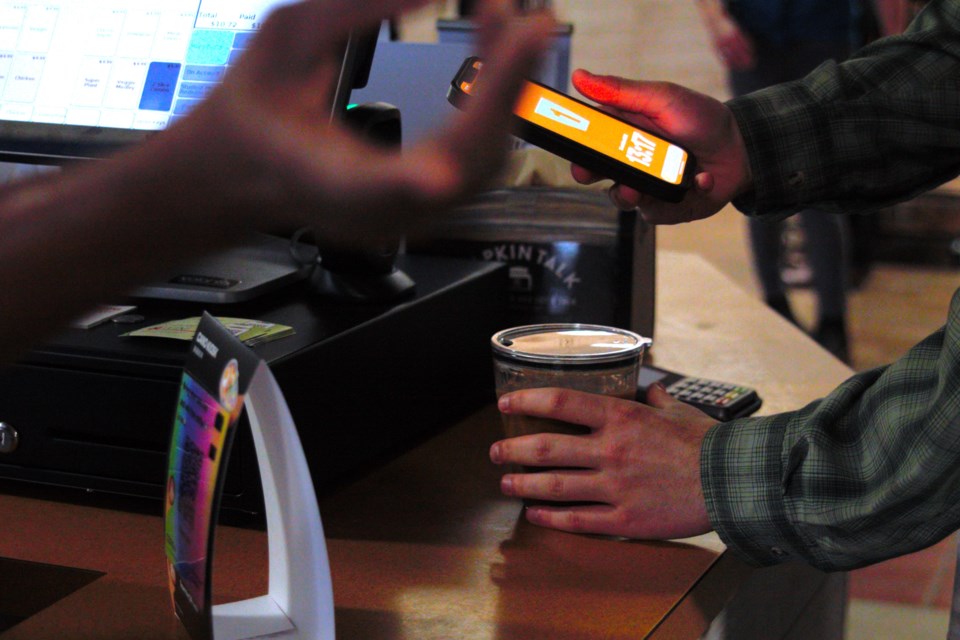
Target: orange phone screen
point(602, 133)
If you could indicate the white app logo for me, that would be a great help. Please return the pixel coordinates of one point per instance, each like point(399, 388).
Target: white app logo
point(557, 113)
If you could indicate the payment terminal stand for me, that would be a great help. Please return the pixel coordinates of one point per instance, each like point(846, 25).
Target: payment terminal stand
point(221, 378)
point(370, 275)
point(299, 600)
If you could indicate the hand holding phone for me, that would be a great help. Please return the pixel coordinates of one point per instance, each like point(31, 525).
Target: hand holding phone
point(589, 137)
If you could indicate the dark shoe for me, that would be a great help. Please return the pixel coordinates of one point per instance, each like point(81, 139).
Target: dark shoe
point(831, 334)
point(781, 305)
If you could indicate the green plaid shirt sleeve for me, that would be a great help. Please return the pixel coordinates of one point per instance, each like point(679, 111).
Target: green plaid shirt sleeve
point(879, 128)
point(871, 471)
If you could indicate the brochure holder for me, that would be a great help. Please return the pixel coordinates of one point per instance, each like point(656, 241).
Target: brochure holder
point(299, 602)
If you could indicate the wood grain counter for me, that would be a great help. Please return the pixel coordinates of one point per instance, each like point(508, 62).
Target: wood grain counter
point(425, 546)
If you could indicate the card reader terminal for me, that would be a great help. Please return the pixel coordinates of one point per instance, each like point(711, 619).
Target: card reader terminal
point(721, 400)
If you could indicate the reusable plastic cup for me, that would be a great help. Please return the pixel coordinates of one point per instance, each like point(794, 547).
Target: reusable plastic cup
point(585, 357)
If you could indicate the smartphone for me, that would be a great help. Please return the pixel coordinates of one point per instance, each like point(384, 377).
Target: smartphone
point(589, 137)
point(721, 400)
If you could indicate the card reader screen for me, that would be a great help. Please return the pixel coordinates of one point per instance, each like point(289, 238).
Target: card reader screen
point(604, 134)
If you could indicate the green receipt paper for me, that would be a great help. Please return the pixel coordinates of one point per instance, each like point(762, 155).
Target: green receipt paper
point(248, 331)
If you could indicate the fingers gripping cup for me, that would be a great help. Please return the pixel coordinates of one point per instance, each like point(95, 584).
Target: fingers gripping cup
point(585, 357)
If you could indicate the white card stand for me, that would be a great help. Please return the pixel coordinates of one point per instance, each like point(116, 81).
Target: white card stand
point(299, 602)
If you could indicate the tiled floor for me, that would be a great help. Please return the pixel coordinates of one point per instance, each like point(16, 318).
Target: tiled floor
point(873, 620)
point(924, 578)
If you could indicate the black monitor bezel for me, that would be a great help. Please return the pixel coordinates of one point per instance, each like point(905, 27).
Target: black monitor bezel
point(60, 144)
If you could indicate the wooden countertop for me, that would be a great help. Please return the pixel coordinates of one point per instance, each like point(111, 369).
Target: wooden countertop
point(426, 547)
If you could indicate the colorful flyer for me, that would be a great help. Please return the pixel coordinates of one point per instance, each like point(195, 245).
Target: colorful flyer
point(215, 381)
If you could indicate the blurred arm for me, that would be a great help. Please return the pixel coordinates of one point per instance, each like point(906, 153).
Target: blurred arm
point(257, 154)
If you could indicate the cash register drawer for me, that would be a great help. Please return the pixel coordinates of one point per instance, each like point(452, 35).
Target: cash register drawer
point(93, 411)
point(93, 431)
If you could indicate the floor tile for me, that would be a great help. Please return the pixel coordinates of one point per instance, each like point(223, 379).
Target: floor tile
point(924, 578)
point(869, 620)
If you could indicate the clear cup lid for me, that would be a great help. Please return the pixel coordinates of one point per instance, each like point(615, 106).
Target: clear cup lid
point(568, 344)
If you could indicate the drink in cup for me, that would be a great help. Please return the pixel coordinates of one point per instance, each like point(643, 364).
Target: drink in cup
point(585, 357)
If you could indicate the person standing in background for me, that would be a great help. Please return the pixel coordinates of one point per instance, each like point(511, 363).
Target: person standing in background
point(766, 42)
